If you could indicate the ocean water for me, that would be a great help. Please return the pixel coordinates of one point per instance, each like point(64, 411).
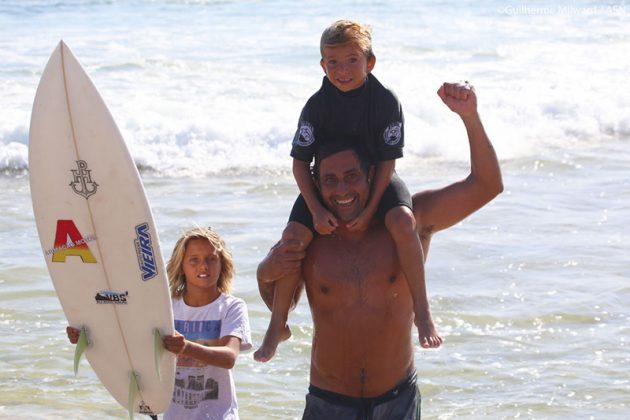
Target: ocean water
point(531, 293)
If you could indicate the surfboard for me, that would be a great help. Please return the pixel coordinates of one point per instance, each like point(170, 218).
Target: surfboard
point(99, 238)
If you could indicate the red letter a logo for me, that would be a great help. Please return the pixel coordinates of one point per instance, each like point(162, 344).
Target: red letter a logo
point(75, 246)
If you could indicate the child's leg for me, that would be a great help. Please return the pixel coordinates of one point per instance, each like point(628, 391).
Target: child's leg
point(401, 224)
point(283, 297)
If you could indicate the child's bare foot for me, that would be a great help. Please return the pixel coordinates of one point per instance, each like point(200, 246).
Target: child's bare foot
point(429, 338)
point(272, 338)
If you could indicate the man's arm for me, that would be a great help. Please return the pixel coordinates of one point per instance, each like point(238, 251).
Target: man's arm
point(439, 209)
point(283, 259)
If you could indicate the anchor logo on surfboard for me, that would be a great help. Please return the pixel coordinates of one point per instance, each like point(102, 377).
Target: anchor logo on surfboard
point(82, 183)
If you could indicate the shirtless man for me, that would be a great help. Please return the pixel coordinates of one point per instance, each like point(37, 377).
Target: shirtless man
point(362, 358)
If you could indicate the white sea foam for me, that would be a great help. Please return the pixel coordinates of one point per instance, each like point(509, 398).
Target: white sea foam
point(202, 87)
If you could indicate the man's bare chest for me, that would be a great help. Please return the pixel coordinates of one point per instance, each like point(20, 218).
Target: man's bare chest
point(345, 273)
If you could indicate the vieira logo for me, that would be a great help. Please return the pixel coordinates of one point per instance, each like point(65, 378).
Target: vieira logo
point(82, 183)
point(107, 296)
point(144, 250)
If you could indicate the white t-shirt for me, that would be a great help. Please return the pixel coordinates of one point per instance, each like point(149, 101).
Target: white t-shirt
point(205, 391)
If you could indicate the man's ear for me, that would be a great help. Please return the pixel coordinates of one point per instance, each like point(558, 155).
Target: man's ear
point(321, 63)
point(370, 175)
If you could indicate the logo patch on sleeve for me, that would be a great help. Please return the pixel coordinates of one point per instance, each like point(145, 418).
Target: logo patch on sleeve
point(393, 134)
point(305, 135)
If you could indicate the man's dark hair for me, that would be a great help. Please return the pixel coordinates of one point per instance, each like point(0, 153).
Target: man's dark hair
point(333, 147)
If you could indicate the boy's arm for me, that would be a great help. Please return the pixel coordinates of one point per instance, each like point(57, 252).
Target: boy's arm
point(323, 221)
point(222, 355)
point(438, 209)
point(382, 178)
point(302, 174)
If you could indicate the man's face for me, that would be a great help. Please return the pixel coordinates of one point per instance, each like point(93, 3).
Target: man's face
point(346, 66)
point(344, 186)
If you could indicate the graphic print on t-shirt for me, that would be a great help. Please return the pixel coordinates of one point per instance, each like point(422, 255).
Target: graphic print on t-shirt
point(193, 387)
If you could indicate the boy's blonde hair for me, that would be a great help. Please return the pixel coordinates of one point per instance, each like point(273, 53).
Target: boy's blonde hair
point(176, 277)
point(344, 31)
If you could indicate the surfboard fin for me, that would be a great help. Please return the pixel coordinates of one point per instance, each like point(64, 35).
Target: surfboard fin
point(82, 344)
point(133, 393)
point(158, 350)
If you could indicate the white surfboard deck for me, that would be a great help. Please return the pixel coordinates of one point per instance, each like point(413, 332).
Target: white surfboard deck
point(98, 235)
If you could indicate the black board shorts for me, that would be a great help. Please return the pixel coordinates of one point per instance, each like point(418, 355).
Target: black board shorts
point(396, 194)
point(403, 402)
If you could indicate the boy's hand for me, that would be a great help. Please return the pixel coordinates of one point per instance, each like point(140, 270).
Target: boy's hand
point(175, 343)
point(73, 334)
point(362, 221)
point(324, 222)
point(459, 97)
